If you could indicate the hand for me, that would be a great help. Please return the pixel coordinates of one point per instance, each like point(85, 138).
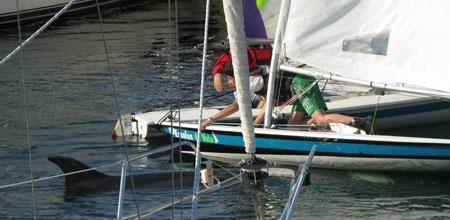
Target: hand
point(218, 81)
point(205, 123)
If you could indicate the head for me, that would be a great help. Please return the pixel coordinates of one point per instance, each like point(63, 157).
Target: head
point(229, 72)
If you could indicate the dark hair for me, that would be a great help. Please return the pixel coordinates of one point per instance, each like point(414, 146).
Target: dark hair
point(228, 69)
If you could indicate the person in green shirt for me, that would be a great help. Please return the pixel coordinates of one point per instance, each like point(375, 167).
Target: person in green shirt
point(311, 103)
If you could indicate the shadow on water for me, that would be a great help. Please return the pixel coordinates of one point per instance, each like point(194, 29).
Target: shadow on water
point(438, 130)
point(385, 183)
point(340, 194)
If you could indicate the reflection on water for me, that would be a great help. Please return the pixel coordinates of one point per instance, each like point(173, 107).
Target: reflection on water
point(72, 113)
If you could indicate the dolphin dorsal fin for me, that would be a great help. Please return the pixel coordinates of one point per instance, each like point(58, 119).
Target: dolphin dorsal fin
point(68, 164)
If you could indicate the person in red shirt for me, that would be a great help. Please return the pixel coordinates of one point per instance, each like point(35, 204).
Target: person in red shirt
point(234, 107)
point(257, 55)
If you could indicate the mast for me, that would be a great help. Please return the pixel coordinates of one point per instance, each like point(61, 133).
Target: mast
point(199, 130)
point(282, 20)
point(234, 16)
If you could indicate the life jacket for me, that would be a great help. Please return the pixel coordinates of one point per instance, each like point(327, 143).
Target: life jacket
point(257, 54)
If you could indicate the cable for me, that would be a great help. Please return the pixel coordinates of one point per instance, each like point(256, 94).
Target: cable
point(56, 176)
point(170, 106)
point(188, 94)
point(374, 116)
point(27, 120)
point(117, 107)
point(179, 108)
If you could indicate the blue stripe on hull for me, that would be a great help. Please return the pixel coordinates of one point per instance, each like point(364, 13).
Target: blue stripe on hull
point(332, 147)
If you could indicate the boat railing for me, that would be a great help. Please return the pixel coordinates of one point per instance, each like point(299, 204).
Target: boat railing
point(295, 189)
point(234, 180)
point(125, 165)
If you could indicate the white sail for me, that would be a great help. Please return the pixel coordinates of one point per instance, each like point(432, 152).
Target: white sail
point(260, 18)
point(269, 13)
point(397, 42)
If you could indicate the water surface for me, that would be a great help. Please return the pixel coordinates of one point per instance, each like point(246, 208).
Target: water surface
point(72, 112)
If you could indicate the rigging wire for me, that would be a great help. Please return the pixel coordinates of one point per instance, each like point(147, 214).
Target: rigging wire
point(169, 56)
point(324, 85)
point(117, 108)
point(179, 107)
point(60, 175)
point(294, 97)
point(374, 116)
point(280, 81)
point(27, 120)
point(190, 92)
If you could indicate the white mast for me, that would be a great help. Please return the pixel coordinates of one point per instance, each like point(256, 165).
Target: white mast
point(282, 20)
point(199, 130)
point(234, 16)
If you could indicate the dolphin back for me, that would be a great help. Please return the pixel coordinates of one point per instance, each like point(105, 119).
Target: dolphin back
point(96, 180)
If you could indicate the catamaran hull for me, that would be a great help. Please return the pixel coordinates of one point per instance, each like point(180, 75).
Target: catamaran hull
point(335, 151)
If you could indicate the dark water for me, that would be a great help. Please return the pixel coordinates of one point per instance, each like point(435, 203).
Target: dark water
point(72, 112)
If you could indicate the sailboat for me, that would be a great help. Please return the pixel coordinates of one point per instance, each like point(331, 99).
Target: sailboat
point(74, 170)
point(390, 45)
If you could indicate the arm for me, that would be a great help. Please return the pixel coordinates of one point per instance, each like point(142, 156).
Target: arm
point(218, 81)
point(230, 109)
point(218, 70)
point(259, 119)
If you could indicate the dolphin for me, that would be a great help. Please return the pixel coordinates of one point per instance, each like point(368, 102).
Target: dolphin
point(97, 180)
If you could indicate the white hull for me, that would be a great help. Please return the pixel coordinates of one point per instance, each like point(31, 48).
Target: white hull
point(399, 110)
point(38, 9)
point(9, 6)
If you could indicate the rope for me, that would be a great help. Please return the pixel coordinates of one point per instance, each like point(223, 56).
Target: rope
point(117, 106)
point(374, 115)
point(35, 34)
point(27, 120)
point(293, 98)
point(279, 94)
point(60, 175)
point(324, 85)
